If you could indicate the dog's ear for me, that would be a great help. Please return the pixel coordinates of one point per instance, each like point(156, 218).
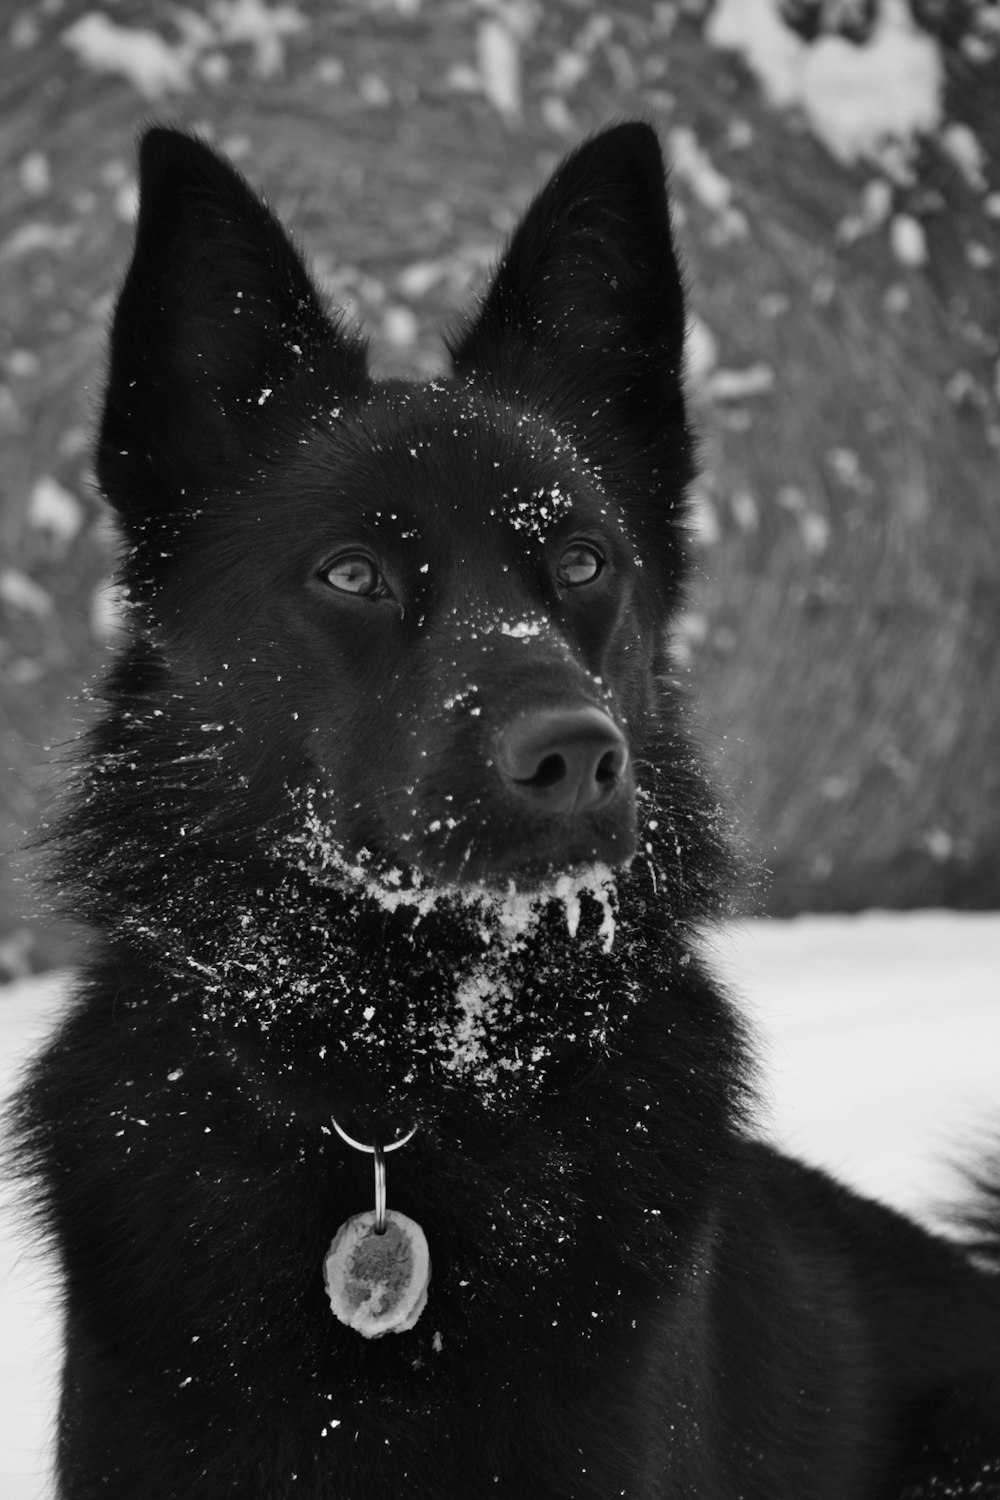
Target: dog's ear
point(216, 316)
point(586, 311)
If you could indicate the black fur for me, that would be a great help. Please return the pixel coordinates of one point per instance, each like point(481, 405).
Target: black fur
point(321, 888)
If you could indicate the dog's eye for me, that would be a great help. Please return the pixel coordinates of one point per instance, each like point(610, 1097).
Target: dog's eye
point(579, 564)
point(354, 573)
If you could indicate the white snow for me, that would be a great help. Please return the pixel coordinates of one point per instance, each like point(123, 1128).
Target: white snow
point(150, 64)
point(500, 37)
point(36, 174)
point(880, 1036)
point(692, 165)
point(738, 385)
point(857, 100)
point(908, 240)
point(54, 509)
point(156, 67)
point(400, 326)
point(23, 595)
point(967, 154)
point(260, 25)
point(499, 56)
point(524, 630)
point(701, 353)
point(29, 1322)
point(35, 235)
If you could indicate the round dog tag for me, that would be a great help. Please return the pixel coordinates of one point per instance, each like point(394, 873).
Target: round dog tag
point(377, 1283)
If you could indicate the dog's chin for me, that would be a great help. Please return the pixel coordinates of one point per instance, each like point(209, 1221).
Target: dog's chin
point(544, 864)
point(532, 864)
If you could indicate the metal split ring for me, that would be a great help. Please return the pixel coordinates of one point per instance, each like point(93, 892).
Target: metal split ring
point(379, 1152)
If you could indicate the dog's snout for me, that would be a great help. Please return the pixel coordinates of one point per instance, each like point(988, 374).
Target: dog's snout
point(563, 760)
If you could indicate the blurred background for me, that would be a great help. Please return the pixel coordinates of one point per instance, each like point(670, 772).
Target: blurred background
point(836, 168)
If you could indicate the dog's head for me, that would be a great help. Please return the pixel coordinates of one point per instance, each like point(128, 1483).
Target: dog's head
point(415, 628)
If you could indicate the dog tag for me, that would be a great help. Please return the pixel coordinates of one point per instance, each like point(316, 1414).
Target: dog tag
point(377, 1283)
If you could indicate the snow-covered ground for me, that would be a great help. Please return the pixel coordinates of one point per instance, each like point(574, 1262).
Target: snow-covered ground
point(856, 100)
point(29, 1327)
point(881, 1040)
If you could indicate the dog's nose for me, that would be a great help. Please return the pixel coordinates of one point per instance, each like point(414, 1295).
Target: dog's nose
point(563, 760)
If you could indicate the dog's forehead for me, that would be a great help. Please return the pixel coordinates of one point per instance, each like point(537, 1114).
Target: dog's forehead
point(476, 456)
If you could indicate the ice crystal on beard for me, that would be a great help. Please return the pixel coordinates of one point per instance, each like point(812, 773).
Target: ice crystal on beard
point(514, 912)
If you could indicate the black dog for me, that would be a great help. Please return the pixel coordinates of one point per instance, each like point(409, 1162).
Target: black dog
point(390, 832)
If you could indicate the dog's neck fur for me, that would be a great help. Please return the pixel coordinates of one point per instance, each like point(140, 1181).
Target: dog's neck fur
point(387, 992)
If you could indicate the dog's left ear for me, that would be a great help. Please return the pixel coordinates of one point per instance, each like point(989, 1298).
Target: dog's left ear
point(585, 315)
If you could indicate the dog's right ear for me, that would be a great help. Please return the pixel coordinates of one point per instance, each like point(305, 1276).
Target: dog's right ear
point(217, 317)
